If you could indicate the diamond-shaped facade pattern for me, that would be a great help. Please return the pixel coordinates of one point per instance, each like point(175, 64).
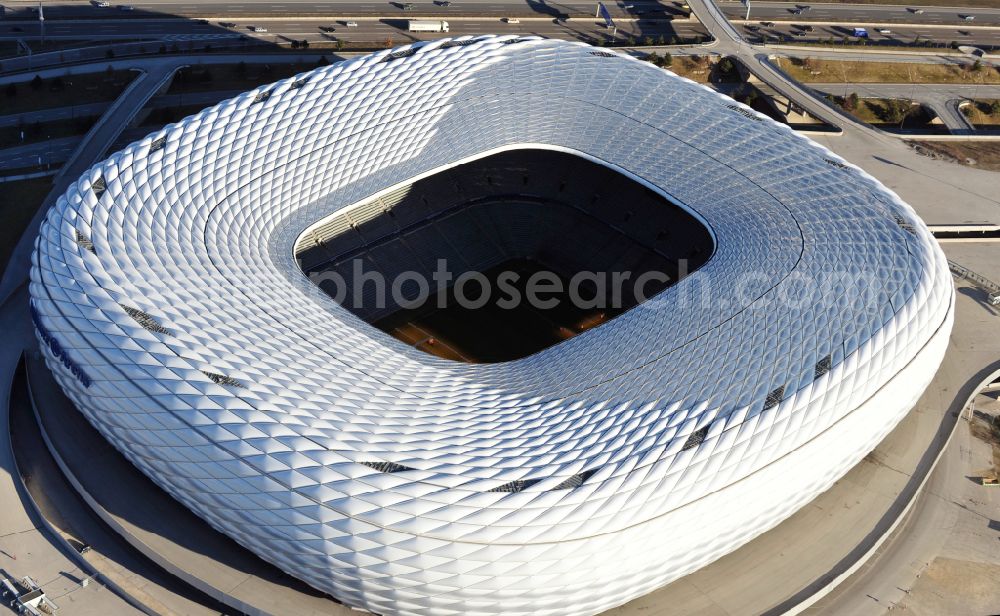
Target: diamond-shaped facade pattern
point(565, 482)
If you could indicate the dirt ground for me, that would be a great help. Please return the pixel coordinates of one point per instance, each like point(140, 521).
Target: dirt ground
point(981, 112)
point(979, 154)
point(813, 70)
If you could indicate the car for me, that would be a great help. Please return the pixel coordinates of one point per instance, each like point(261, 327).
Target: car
point(327, 29)
point(917, 11)
point(227, 24)
point(767, 24)
point(968, 17)
point(446, 3)
point(883, 30)
point(511, 20)
point(796, 11)
point(799, 33)
point(126, 7)
point(808, 28)
point(964, 33)
point(257, 28)
point(752, 28)
point(409, 6)
point(351, 24)
point(99, 4)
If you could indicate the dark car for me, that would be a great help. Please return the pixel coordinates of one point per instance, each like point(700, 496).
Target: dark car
point(327, 29)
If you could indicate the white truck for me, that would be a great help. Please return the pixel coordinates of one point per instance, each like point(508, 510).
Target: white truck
point(426, 26)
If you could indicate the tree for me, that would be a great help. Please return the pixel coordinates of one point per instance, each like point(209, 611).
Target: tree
point(851, 102)
point(995, 107)
point(340, 45)
point(36, 83)
point(304, 44)
point(726, 66)
point(653, 58)
point(648, 41)
point(322, 59)
point(295, 44)
point(668, 59)
point(977, 66)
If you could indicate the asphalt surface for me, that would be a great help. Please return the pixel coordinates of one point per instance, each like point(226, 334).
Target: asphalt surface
point(379, 28)
point(69, 10)
point(333, 29)
point(42, 152)
point(944, 99)
point(317, 22)
point(861, 13)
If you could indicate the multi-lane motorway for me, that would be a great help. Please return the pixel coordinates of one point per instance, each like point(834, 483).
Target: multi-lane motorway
point(334, 28)
point(861, 13)
point(284, 20)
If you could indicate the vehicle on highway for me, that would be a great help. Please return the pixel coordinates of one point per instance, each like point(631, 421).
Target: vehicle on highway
point(327, 29)
point(351, 24)
point(799, 33)
point(409, 6)
point(511, 20)
point(917, 11)
point(796, 11)
point(445, 3)
point(883, 30)
point(860, 33)
point(767, 24)
point(227, 24)
point(99, 4)
point(968, 17)
point(257, 28)
point(752, 28)
point(415, 25)
point(126, 7)
point(807, 28)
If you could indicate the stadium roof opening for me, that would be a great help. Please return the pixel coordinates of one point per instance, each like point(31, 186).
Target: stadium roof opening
point(503, 256)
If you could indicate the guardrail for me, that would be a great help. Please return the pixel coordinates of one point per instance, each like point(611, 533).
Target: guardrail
point(984, 283)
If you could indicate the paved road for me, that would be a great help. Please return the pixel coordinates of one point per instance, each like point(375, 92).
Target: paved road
point(861, 13)
point(944, 99)
point(57, 10)
point(59, 113)
point(896, 36)
point(43, 152)
point(332, 29)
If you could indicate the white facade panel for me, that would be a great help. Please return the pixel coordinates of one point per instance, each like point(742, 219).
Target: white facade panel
point(172, 312)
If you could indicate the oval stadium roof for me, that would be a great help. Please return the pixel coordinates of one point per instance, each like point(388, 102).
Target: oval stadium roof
point(172, 312)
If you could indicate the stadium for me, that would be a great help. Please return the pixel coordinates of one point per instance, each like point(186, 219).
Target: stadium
point(413, 459)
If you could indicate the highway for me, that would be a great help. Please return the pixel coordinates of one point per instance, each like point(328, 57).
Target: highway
point(861, 13)
point(50, 151)
point(317, 30)
point(311, 8)
point(332, 29)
